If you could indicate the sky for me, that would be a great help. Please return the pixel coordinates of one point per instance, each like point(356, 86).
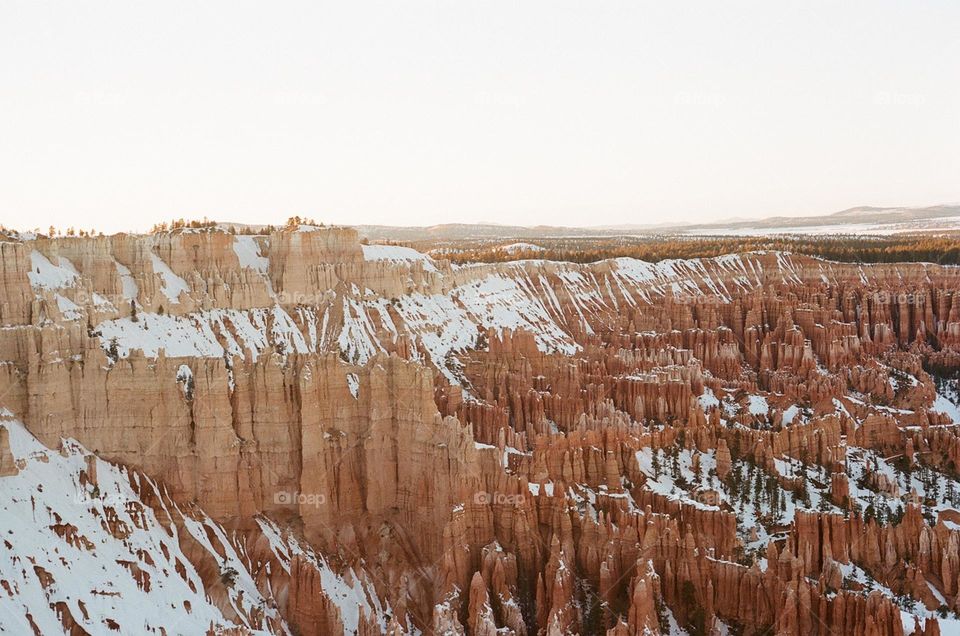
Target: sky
point(116, 115)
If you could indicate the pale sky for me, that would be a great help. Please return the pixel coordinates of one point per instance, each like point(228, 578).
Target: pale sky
point(119, 114)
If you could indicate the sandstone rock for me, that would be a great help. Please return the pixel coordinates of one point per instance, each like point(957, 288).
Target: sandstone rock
point(8, 465)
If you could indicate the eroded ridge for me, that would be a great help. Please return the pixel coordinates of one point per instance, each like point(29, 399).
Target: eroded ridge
point(299, 433)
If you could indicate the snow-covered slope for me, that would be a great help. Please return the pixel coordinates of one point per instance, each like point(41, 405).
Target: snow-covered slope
point(552, 301)
point(80, 548)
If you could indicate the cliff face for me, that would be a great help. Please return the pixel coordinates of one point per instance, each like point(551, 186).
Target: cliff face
point(752, 441)
point(92, 548)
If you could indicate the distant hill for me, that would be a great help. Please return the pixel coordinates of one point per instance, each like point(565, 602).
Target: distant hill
point(467, 231)
point(862, 219)
point(858, 215)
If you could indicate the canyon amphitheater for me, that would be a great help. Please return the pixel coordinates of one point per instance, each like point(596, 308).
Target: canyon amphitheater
point(297, 433)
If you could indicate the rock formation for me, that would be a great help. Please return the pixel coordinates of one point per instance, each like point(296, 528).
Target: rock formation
point(299, 433)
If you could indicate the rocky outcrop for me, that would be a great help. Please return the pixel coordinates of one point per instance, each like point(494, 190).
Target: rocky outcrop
point(8, 464)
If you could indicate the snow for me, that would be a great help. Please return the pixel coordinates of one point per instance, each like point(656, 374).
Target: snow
point(68, 308)
point(909, 608)
point(500, 302)
point(764, 510)
point(398, 254)
point(102, 303)
point(248, 253)
point(524, 295)
point(92, 568)
point(513, 248)
point(681, 277)
point(185, 377)
point(184, 373)
point(173, 285)
point(176, 335)
point(350, 591)
point(243, 594)
point(88, 565)
point(440, 326)
point(127, 282)
point(673, 627)
point(196, 334)
point(837, 229)
point(353, 383)
point(789, 414)
point(44, 274)
point(936, 490)
point(708, 400)
point(664, 482)
point(358, 337)
point(942, 405)
point(758, 405)
point(445, 324)
point(284, 334)
point(534, 488)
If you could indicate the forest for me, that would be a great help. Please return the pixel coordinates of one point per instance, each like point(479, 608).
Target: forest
point(941, 248)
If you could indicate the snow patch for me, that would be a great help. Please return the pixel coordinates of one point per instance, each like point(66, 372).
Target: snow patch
point(353, 383)
point(173, 285)
point(68, 308)
point(127, 283)
point(44, 274)
point(397, 254)
point(758, 405)
point(943, 405)
point(248, 253)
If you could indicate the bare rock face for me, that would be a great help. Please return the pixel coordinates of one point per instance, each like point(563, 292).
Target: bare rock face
point(297, 433)
point(8, 465)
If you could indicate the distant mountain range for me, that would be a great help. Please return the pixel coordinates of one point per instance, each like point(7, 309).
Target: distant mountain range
point(859, 220)
point(859, 216)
